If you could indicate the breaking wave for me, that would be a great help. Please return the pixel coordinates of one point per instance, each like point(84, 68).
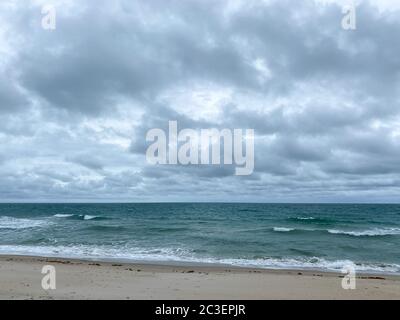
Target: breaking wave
point(177, 255)
point(377, 232)
point(368, 233)
point(281, 229)
point(63, 215)
point(80, 216)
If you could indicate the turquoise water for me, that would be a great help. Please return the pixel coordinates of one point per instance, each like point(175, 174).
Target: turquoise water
point(263, 235)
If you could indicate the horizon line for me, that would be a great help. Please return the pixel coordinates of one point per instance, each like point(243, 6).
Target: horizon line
point(207, 202)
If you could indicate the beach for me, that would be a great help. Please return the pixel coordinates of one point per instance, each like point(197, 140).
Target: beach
point(199, 251)
point(21, 277)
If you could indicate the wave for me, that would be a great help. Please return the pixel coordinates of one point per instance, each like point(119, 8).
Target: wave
point(281, 229)
point(89, 217)
point(311, 220)
point(101, 252)
point(80, 216)
point(178, 255)
point(313, 263)
point(19, 223)
point(355, 233)
point(63, 215)
point(368, 233)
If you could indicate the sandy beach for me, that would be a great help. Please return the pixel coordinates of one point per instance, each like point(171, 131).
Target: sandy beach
point(20, 278)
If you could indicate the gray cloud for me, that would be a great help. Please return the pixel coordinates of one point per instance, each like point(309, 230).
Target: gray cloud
point(76, 103)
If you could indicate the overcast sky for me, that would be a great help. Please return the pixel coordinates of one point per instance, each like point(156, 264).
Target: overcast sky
point(76, 102)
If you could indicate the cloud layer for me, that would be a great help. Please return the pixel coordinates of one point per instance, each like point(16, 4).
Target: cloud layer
point(76, 102)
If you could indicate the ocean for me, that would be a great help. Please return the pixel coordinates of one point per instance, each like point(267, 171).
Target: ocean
point(300, 236)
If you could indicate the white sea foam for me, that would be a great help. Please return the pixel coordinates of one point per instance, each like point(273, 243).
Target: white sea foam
point(368, 233)
point(83, 216)
point(313, 263)
point(177, 255)
point(63, 215)
point(19, 223)
point(281, 229)
point(89, 217)
point(377, 232)
point(305, 218)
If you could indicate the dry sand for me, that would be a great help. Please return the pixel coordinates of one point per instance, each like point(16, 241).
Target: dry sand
point(20, 278)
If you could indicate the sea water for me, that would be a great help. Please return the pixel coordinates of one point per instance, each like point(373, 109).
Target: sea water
point(300, 236)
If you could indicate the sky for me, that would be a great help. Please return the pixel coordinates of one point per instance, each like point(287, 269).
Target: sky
point(76, 102)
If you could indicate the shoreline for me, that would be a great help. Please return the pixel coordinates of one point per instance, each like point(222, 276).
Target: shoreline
point(195, 264)
point(20, 278)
